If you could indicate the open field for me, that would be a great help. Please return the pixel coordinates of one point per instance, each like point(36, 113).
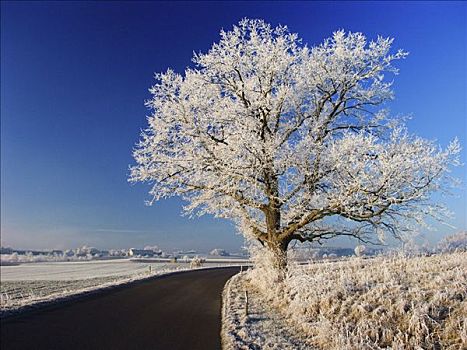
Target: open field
point(59, 271)
point(386, 302)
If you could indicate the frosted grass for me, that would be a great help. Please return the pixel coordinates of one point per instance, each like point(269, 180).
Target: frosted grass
point(382, 303)
point(261, 328)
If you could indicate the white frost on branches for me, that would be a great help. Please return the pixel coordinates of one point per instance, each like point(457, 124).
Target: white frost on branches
point(454, 242)
point(292, 142)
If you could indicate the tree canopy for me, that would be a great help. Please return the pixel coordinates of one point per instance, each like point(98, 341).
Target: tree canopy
point(290, 141)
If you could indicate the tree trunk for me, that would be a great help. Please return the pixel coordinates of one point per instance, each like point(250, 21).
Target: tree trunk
point(273, 225)
point(279, 249)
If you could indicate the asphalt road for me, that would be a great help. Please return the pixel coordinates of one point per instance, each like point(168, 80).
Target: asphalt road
point(179, 311)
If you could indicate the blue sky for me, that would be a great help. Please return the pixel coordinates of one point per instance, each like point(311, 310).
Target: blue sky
point(74, 77)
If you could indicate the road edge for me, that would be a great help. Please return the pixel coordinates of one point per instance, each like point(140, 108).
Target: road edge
point(227, 343)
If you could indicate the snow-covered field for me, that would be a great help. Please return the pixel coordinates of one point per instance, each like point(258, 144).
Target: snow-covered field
point(29, 284)
point(58, 271)
point(381, 303)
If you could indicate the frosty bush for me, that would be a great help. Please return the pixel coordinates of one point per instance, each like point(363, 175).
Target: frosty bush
point(453, 242)
point(359, 250)
point(264, 273)
point(196, 262)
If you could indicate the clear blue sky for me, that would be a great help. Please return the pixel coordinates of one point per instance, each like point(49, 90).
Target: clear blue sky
point(74, 76)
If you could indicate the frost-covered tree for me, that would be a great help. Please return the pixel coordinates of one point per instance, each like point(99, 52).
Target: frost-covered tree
point(291, 142)
point(451, 243)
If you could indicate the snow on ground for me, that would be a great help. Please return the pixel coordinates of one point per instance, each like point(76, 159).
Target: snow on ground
point(58, 271)
point(263, 328)
point(16, 294)
point(29, 284)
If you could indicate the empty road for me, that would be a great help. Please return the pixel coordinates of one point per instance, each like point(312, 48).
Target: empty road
point(179, 311)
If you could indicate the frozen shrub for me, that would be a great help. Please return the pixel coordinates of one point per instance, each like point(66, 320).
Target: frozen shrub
point(359, 250)
point(453, 242)
point(196, 262)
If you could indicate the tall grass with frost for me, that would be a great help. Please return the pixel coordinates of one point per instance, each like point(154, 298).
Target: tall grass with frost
point(393, 302)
